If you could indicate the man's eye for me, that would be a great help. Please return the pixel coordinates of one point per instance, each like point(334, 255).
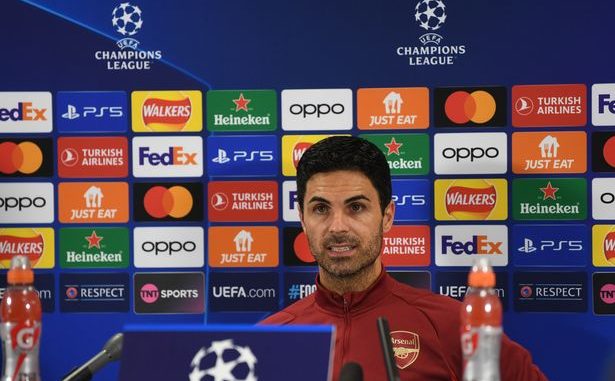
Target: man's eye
point(321, 209)
point(356, 207)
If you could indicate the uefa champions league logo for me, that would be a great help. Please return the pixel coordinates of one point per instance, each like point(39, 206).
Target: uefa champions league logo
point(127, 21)
point(430, 15)
point(223, 361)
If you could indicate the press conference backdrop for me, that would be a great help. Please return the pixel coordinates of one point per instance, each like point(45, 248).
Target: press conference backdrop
point(148, 154)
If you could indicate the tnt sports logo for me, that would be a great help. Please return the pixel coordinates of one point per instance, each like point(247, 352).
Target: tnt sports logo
point(225, 361)
point(604, 293)
point(169, 292)
point(20, 158)
point(471, 199)
point(172, 156)
point(22, 112)
point(319, 109)
point(470, 153)
point(603, 104)
point(167, 111)
point(457, 245)
point(472, 106)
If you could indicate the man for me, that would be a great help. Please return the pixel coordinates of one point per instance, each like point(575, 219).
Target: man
point(344, 195)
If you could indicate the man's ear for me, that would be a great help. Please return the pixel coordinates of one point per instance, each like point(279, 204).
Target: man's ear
point(388, 217)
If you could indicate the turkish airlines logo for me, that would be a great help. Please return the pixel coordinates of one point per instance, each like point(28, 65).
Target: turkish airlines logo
point(471, 199)
point(23, 158)
point(93, 157)
point(549, 105)
point(393, 108)
point(93, 202)
point(169, 156)
point(25, 112)
point(549, 152)
point(407, 245)
point(243, 201)
point(317, 110)
point(470, 106)
point(470, 153)
point(168, 202)
point(26, 203)
point(167, 111)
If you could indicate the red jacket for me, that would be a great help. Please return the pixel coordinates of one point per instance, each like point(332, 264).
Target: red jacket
point(425, 328)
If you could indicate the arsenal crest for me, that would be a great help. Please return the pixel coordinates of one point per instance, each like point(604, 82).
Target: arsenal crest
point(406, 346)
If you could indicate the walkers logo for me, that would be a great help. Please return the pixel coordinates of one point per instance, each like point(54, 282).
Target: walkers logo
point(93, 157)
point(243, 156)
point(290, 212)
point(550, 245)
point(457, 245)
point(471, 199)
point(603, 104)
point(298, 285)
point(407, 154)
point(430, 16)
point(92, 111)
point(603, 199)
point(169, 293)
point(26, 158)
point(167, 111)
point(169, 156)
point(317, 110)
point(549, 199)
point(168, 201)
point(243, 246)
point(470, 153)
point(455, 285)
point(243, 201)
point(127, 21)
point(44, 285)
point(25, 112)
point(169, 247)
point(94, 248)
point(296, 248)
point(549, 152)
point(35, 243)
point(603, 151)
point(97, 292)
point(232, 291)
point(470, 106)
point(241, 110)
point(412, 200)
point(393, 108)
point(406, 347)
point(293, 147)
point(407, 245)
point(604, 293)
point(550, 292)
point(603, 244)
point(89, 202)
point(549, 105)
point(26, 203)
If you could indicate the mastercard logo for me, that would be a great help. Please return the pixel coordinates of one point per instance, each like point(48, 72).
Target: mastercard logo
point(462, 107)
point(302, 249)
point(161, 202)
point(609, 151)
point(25, 157)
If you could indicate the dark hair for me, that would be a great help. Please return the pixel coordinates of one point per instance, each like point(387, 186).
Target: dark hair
point(337, 153)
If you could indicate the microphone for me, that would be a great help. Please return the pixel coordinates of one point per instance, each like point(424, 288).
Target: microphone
point(111, 352)
point(387, 349)
point(351, 371)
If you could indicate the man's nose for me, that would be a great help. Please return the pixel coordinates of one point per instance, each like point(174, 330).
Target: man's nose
point(339, 222)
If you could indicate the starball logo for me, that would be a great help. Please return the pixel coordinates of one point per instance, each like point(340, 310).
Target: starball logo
point(127, 20)
point(430, 16)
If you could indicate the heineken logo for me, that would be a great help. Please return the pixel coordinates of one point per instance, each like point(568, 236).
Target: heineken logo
point(94, 248)
point(407, 154)
point(241, 110)
point(550, 199)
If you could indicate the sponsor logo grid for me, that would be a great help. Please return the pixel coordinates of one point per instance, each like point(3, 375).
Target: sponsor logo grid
point(109, 191)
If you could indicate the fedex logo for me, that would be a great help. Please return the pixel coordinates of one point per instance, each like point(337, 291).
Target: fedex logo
point(242, 156)
point(24, 112)
point(478, 245)
point(603, 104)
point(173, 156)
point(290, 201)
point(169, 156)
point(456, 245)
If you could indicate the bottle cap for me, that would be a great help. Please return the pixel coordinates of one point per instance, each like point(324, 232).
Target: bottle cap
point(20, 271)
point(481, 274)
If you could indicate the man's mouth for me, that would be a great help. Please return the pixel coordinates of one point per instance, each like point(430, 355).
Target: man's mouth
point(341, 250)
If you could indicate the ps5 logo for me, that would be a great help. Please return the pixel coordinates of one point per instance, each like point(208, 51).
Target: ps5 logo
point(555, 246)
point(409, 199)
point(94, 112)
point(247, 156)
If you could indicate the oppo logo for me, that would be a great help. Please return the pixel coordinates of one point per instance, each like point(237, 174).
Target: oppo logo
point(309, 109)
point(168, 247)
point(7, 203)
point(607, 198)
point(471, 153)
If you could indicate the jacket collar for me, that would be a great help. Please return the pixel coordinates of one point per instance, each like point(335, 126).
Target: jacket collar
point(354, 301)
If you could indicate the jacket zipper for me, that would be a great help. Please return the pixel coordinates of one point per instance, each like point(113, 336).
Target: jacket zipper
point(346, 330)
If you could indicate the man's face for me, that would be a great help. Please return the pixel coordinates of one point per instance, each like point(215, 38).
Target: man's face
point(343, 222)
